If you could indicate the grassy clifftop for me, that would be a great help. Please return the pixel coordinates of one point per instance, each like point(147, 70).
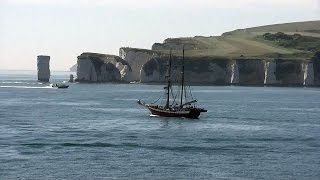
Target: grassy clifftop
point(312, 27)
point(249, 42)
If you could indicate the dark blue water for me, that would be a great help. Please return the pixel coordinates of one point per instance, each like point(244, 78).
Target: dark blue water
point(98, 131)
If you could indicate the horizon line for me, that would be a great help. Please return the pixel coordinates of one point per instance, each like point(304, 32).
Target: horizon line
point(33, 70)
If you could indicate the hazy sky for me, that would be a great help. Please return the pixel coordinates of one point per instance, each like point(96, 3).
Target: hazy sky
point(64, 29)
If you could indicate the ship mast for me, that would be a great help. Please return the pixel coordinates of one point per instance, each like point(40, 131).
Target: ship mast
point(169, 82)
point(182, 78)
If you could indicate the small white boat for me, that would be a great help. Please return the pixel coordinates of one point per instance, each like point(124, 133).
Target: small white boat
point(56, 85)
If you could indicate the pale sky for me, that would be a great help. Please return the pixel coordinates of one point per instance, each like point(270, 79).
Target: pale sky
point(63, 29)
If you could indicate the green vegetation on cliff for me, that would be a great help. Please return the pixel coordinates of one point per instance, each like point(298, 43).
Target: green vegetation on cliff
point(296, 41)
point(299, 40)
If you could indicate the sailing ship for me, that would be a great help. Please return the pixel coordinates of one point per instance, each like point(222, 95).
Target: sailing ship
point(184, 108)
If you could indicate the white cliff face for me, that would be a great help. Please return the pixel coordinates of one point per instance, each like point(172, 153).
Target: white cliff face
point(213, 74)
point(149, 69)
point(289, 72)
point(204, 71)
point(99, 68)
point(234, 73)
point(308, 76)
point(251, 71)
point(270, 73)
point(86, 71)
point(126, 74)
point(136, 59)
point(43, 68)
point(217, 72)
point(108, 72)
point(154, 77)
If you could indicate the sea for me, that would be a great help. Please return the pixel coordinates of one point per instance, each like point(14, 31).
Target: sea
point(98, 131)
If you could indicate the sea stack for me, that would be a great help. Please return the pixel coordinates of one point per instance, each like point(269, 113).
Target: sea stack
point(71, 78)
point(43, 68)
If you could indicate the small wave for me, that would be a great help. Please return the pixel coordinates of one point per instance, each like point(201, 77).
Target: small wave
point(245, 147)
point(270, 139)
point(9, 153)
point(238, 127)
point(300, 109)
point(88, 145)
point(98, 144)
point(282, 139)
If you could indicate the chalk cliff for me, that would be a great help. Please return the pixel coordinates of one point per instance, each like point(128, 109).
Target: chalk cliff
point(251, 71)
point(224, 71)
point(289, 72)
point(151, 67)
point(136, 58)
point(93, 67)
point(200, 70)
point(234, 73)
point(270, 68)
point(316, 68)
point(43, 66)
point(308, 74)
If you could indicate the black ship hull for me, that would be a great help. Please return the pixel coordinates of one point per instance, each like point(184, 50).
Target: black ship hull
point(192, 114)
